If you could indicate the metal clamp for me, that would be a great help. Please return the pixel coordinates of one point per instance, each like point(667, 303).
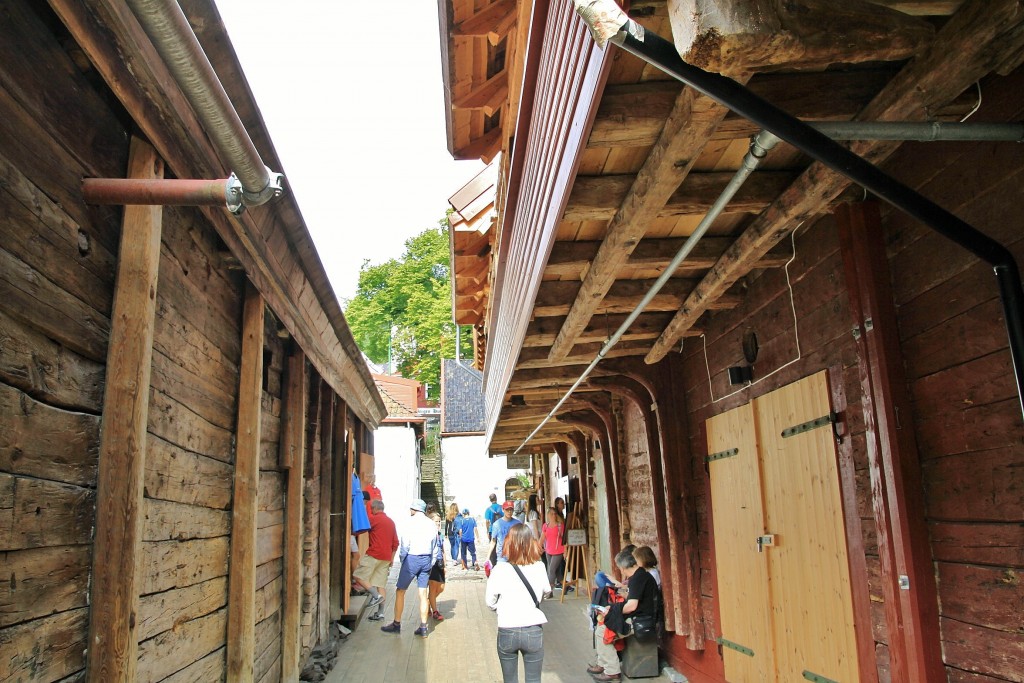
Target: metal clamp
point(233, 195)
point(273, 189)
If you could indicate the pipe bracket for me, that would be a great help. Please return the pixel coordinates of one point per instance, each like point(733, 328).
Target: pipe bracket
point(233, 195)
point(273, 189)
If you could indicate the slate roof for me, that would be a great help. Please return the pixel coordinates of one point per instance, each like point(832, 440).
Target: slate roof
point(462, 399)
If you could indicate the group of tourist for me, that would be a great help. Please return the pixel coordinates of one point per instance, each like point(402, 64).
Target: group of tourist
point(527, 560)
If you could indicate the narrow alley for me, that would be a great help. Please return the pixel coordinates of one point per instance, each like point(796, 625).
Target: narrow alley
point(462, 647)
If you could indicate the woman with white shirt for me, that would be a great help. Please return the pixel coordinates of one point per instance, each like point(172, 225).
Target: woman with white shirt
point(514, 590)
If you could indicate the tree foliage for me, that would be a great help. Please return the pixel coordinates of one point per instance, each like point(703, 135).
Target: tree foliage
point(403, 309)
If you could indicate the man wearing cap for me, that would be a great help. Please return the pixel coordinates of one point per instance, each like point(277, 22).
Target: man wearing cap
point(500, 529)
point(467, 538)
point(418, 549)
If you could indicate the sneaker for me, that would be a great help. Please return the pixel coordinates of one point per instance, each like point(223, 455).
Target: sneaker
point(437, 616)
point(606, 677)
point(570, 589)
point(375, 600)
point(393, 627)
point(376, 616)
point(595, 669)
point(421, 631)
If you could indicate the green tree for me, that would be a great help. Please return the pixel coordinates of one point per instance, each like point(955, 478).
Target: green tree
point(402, 309)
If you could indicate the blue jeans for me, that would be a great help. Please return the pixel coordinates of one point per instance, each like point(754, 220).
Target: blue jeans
point(468, 548)
point(453, 541)
point(526, 639)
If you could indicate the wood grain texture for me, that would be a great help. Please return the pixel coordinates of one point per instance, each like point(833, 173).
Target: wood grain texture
point(241, 636)
point(293, 460)
point(113, 633)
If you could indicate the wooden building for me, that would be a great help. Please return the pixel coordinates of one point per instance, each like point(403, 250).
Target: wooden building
point(181, 401)
point(815, 422)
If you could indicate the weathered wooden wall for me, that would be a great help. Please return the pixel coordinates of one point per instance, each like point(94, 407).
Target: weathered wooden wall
point(57, 264)
point(58, 260)
point(966, 413)
point(270, 518)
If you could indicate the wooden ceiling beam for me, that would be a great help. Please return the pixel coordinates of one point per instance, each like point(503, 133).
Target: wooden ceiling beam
point(571, 259)
point(922, 8)
point(485, 147)
point(633, 115)
point(596, 198)
point(684, 135)
point(555, 296)
point(488, 96)
point(794, 34)
point(581, 354)
point(492, 22)
point(542, 331)
point(981, 37)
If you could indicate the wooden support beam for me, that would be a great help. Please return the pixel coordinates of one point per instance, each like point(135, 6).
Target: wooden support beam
point(555, 297)
point(114, 601)
point(541, 332)
point(981, 37)
point(241, 641)
point(806, 34)
point(293, 449)
point(685, 133)
point(581, 354)
point(328, 399)
point(484, 148)
point(911, 613)
point(633, 115)
point(489, 96)
point(492, 22)
point(596, 198)
point(573, 259)
point(339, 515)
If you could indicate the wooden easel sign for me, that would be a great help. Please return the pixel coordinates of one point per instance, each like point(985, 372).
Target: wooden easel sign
point(575, 558)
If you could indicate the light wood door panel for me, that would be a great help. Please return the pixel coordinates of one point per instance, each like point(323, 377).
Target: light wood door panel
point(812, 607)
point(738, 514)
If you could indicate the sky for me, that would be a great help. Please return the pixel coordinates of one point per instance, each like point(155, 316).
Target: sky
point(355, 108)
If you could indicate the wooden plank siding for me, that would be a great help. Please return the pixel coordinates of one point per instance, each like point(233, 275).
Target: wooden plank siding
point(59, 264)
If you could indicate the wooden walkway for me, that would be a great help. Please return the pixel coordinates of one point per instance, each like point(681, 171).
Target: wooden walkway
point(462, 647)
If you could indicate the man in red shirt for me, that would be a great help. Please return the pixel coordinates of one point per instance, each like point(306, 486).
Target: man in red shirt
point(372, 572)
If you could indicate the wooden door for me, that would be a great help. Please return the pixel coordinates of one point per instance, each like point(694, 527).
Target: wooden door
point(738, 517)
point(812, 605)
point(790, 599)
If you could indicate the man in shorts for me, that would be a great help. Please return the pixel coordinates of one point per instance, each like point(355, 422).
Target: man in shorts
point(372, 572)
point(418, 550)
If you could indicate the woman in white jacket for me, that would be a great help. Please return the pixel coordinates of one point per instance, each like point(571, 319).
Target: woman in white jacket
point(514, 590)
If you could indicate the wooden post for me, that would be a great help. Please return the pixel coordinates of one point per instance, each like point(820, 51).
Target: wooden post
point(241, 645)
point(897, 495)
point(339, 520)
point(328, 399)
point(293, 450)
point(113, 638)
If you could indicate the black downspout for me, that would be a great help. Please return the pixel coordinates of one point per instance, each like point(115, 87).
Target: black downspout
point(656, 50)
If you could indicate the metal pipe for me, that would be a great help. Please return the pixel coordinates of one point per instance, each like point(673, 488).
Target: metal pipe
point(166, 25)
point(923, 131)
point(760, 146)
point(604, 17)
point(125, 191)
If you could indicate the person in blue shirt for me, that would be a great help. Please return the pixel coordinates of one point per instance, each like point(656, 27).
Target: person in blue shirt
point(467, 536)
point(500, 529)
point(492, 513)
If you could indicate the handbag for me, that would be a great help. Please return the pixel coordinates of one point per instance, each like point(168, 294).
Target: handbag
point(645, 627)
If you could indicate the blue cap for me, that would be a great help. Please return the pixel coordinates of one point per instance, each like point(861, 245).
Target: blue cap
point(465, 512)
point(418, 505)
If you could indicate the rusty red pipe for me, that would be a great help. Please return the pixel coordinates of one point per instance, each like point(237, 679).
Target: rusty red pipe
point(124, 191)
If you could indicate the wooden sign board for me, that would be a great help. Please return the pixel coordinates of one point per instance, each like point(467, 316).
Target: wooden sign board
point(576, 537)
point(517, 462)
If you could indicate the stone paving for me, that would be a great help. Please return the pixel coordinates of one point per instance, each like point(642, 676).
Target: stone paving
point(462, 647)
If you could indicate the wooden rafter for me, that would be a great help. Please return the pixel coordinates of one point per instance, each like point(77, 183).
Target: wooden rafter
point(488, 96)
point(980, 38)
point(685, 133)
point(598, 197)
point(572, 259)
point(542, 331)
point(485, 147)
point(554, 297)
point(492, 22)
point(581, 354)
